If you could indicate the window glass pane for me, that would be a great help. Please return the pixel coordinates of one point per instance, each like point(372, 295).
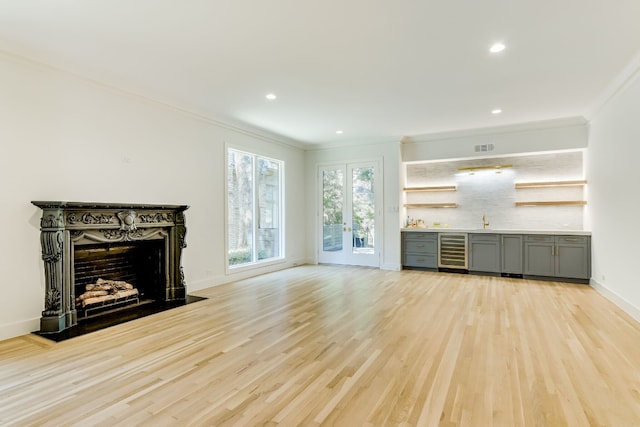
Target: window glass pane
point(332, 200)
point(240, 205)
point(268, 209)
point(363, 214)
point(254, 201)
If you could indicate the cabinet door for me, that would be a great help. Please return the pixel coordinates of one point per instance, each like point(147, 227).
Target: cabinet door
point(484, 253)
point(539, 258)
point(573, 257)
point(511, 254)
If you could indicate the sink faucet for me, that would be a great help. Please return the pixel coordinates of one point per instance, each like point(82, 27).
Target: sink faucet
point(485, 224)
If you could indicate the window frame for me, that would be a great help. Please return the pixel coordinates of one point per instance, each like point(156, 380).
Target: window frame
point(255, 263)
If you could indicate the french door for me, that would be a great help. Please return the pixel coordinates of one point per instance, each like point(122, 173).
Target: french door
point(349, 217)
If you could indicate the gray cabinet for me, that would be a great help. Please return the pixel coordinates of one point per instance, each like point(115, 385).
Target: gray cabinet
point(495, 253)
point(420, 249)
point(511, 254)
point(484, 253)
point(534, 256)
point(539, 258)
point(557, 256)
point(573, 254)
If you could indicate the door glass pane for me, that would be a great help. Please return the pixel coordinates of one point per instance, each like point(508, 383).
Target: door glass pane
point(240, 202)
point(363, 212)
point(332, 203)
point(268, 212)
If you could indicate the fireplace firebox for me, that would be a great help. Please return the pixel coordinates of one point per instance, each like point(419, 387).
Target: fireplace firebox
point(84, 243)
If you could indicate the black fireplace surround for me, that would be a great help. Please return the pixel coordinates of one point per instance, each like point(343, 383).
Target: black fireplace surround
point(84, 230)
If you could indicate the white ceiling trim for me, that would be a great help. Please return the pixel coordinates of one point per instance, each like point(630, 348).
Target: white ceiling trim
point(627, 76)
point(242, 128)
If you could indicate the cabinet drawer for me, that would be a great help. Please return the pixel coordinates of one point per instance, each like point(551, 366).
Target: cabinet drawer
point(539, 238)
point(483, 238)
point(416, 235)
point(426, 261)
point(572, 240)
point(421, 246)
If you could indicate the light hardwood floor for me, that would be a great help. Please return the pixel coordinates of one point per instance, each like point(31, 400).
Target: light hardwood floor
point(345, 346)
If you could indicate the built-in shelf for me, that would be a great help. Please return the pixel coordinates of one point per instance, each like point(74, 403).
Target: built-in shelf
point(543, 184)
point(554, 203)
point(551, 184)
point(431, 205)
point(432, 188)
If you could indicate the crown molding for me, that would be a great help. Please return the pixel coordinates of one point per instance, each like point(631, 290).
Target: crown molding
point(202, 116)
point(629, 74)
point(368, 142)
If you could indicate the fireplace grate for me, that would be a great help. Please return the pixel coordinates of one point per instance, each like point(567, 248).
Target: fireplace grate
point(139, 264)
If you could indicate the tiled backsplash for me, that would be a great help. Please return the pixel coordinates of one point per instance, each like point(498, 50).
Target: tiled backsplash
point(493, 193)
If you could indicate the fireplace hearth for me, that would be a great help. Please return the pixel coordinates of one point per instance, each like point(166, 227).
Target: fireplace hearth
point(84, 244)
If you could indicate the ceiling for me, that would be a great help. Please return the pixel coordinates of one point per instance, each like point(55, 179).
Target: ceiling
point(378, 70)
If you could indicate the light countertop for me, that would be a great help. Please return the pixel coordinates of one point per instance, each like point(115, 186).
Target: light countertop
point(498, 231)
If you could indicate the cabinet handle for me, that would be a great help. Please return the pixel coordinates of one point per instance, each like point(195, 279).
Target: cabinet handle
point(419, 259)
point(571, 239)
point(557, 250)
point(419, 246)
point(552, 250)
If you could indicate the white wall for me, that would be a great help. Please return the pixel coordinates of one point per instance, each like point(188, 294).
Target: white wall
point(64, 138)
point(614, 173)
point(553, 135)
point(389, 156)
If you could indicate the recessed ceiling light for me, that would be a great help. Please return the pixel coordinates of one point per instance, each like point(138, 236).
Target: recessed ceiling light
point(339, 132)
point(271, 96)
point(497, 47)
point(496, 111)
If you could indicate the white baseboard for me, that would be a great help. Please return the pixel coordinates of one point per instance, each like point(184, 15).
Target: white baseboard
point(24, 327)
point(624, 305)
point(391, 267)
point(218, 280)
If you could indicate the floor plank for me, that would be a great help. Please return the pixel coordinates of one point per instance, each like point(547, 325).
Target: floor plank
point(345, 346)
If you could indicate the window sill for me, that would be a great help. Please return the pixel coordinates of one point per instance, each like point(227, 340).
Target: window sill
point(233, 269)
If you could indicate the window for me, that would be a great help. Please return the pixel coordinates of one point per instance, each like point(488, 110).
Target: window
point(254, 208)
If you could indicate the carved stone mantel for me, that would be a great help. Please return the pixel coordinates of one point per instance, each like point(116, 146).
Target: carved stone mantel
point(66, 224)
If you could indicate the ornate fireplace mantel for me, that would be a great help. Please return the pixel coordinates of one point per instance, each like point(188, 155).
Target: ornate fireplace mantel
point(66, 224)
